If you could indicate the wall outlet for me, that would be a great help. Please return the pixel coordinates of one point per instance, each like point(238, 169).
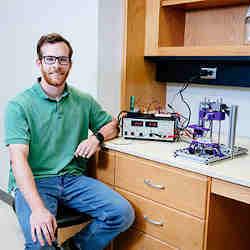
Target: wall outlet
point(208, 73)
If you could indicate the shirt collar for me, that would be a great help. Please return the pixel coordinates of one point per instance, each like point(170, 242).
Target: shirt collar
point(38, 89)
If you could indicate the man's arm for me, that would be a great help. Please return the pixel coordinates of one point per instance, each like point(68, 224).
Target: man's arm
point(110, 130)
point(89, 146)
point(41, 220)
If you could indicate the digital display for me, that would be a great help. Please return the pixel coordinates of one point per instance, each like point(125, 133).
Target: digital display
point(152, 124)
point(137, 123)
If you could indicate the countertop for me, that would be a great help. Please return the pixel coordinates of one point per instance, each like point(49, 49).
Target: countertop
point(235, 170)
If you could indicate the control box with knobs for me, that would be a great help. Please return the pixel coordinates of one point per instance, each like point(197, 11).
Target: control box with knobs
point(149, 127)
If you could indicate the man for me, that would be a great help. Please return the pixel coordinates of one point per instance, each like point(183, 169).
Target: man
point(46, 130)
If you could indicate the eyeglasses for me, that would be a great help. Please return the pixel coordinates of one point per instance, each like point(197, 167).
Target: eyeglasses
point(63, 60)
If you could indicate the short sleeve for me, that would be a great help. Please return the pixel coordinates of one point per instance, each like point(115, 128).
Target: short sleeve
point(98, 117)
point(16, 125)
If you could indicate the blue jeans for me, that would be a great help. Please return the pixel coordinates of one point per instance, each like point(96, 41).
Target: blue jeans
point(111, 212)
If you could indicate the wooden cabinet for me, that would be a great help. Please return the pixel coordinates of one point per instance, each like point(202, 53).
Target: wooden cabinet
point(176, 28)
point(136, 240)
point(195, 28)
point(230, 190)
point(163, 184)
point(138, 75)
point(103, 166)
point(176, 209)
point(172, 226)
point(170, 204)
point(104, 169)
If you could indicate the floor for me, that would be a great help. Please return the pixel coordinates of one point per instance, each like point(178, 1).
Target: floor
point(11, 235)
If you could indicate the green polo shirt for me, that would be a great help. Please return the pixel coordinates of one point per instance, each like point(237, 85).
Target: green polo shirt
point(52, 129)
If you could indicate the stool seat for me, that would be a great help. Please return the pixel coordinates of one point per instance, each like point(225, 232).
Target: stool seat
point(67, 217)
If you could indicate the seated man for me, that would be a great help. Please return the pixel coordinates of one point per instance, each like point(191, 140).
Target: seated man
point(46, 131)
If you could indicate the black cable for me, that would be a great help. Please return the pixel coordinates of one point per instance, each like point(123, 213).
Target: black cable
point(189, 113)
point(157, 135)
point(184, 87)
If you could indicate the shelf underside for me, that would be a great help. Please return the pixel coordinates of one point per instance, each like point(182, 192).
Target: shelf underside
point(231, 71)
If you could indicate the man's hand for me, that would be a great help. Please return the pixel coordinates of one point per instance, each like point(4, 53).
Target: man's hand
point(87, 147)
point(42, 221)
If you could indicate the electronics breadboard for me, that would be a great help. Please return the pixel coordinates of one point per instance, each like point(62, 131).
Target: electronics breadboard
point(148, 127)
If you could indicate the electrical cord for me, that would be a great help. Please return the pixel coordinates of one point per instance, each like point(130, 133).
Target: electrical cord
point(186, 122)
point(157, 135)
point(119, 116)
point(189, 110)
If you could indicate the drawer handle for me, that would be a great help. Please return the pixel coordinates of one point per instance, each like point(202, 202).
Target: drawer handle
point(158, 186)
point(159, 223)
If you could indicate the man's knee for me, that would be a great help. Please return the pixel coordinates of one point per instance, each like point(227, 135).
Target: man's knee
point(129, 217)
point(126, 215)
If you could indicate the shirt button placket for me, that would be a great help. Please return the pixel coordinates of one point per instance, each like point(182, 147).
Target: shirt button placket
point(59, 112)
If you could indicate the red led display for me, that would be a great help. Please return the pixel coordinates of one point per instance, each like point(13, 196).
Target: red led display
point(152, 124)
point(137, 123)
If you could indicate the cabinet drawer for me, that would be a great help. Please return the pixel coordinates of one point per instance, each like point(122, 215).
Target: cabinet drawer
point(170, 225)
point(170, 186)
point(135, 240)
point(105, 167)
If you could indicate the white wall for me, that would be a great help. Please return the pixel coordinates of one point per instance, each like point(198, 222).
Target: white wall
point(109, 54)
point(231, 96)
point(21, 24)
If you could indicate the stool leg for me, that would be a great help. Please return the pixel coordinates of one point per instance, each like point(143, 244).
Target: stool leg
point(57, 246)
point(55, 243)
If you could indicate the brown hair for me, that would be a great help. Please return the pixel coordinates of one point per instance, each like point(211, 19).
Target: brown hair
point(52, 38)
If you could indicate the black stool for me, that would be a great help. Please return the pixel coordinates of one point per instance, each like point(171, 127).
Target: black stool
point(67, 217)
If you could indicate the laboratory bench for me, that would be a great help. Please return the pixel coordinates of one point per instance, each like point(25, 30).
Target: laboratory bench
point(179, 204)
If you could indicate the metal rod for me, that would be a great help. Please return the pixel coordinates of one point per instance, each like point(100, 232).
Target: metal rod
point(211, 131)
point(232, 127)
point(219, 131)
point(199, 119)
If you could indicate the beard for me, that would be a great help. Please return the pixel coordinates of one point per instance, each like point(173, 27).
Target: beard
point(55, 77)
